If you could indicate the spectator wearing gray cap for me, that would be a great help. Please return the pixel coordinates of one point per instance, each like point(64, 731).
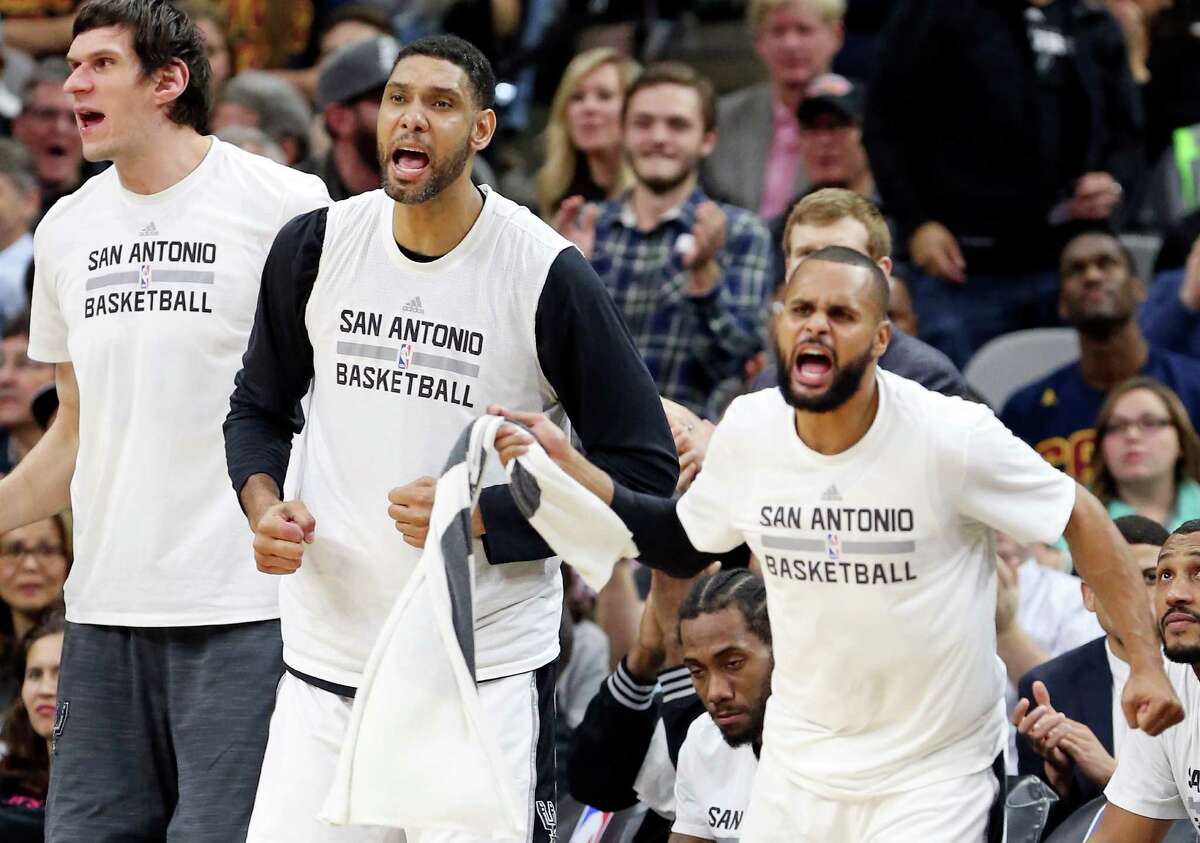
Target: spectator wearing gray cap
point(349, 89)
point(261, 100)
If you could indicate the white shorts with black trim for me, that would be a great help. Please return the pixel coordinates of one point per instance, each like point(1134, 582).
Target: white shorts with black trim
point(310, 723)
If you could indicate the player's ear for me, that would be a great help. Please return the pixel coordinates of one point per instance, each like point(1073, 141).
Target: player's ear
point(483, 130)
point(883, 337)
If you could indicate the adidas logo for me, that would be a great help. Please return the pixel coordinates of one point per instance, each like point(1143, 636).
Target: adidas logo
point(831, 494)
point(149, 231)
point(414, 306)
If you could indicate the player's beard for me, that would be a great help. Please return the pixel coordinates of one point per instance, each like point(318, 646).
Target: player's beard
point(442, 173)
point(753, 732)
point(845, 383)
point(1181, 653)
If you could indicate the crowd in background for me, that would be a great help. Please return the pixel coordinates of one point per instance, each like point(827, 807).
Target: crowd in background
point(1036, 163)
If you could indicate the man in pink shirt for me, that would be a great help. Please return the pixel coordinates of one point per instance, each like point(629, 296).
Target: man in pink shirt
point(756, 164)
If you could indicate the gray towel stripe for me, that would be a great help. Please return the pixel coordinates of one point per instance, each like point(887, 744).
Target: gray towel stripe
point(375, 352)
point(456, 554)
point(818, 546)
point(446, 364)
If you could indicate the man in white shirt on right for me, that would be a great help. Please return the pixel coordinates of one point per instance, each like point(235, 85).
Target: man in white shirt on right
point(870, 502)
point(1158, 778)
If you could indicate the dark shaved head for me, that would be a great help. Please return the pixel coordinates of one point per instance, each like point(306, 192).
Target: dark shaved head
point(880, 292)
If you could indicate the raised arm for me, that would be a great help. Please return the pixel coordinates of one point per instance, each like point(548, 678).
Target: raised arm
point(660, 536)
point(1103, 560)
point(40, 485)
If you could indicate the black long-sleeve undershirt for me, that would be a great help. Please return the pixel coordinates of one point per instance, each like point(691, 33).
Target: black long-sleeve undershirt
point(661, 540)
point(583, 347)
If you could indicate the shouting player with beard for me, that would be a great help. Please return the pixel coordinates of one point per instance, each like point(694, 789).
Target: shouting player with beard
point(407, 310)
point(871, 503)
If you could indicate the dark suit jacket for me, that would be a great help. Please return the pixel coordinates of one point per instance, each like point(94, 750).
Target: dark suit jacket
point(1080, 686)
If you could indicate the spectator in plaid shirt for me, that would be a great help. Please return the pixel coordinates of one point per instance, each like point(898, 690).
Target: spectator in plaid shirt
point(689, 275)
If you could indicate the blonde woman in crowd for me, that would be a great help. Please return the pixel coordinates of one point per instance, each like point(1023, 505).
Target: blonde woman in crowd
point(583, 135)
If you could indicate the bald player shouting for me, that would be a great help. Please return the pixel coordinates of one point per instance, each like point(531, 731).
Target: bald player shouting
point(871, 502)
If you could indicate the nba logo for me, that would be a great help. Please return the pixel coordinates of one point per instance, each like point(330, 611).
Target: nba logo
point(833, 545)
point(144, 277)
point(404, 358)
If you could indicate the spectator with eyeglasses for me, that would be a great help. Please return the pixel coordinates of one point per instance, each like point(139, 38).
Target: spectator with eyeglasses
point(1147, 459)
point(34, 562)
point(1099, 294)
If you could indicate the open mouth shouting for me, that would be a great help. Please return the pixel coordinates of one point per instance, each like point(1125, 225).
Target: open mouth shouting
point(88, 120)
point(813, 366)
point(408, 163)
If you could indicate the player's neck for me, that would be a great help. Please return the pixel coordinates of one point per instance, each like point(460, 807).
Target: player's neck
point(164, 158)
point(833, 432)
point(435, 227)
point(649, 207)
point(1106, 362)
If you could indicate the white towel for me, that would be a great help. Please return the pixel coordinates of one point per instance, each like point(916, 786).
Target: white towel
point(420, 753)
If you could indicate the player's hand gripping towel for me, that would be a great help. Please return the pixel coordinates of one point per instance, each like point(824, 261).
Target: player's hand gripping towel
point(420, 753)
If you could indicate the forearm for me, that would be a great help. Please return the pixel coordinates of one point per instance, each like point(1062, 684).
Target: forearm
point(1103, 560)
point(259, 494)
point(39, 36)
point(1019, 652)
point(618, 612)
point(661, 540)
point(40, 485)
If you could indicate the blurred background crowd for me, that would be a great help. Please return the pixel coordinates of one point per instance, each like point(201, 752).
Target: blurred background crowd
point(1036, 163)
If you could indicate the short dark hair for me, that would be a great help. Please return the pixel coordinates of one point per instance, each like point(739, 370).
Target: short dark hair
point(1187, 528)
point(161, 33)
point(462, 54)
point(677, 73)
point(1100, 229)
point(852, 257)
point(1138, 529)
point(738, 588)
